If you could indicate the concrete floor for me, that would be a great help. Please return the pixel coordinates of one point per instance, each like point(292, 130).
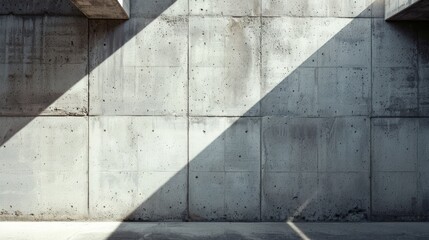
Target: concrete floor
point(272, 231)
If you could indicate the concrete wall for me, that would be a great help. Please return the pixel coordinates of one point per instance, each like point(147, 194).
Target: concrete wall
point(256, 110)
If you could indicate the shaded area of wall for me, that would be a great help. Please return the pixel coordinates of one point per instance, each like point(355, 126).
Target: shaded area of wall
point(221, 111)
point(44, 110)
point(400, 10)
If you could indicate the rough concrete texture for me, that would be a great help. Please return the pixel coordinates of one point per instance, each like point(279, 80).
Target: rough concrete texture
point(102, 9)
point(400, 166)
point(136, 163)
point(309, 170)
point(407, 10)
point(224, 178)
point(44, 168)
point(216, 111)
point(44, 65)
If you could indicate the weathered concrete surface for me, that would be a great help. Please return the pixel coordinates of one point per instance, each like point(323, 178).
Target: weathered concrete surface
point(136, 163)
point(317, 8)
point(224, 178)
point(224, 66)
point(102, 9)
point(307, 77)
point(244, 231)
point(44, 66)
point(147, 75)
point(44, 168)
point(400, 167)
point(399, 84)
point(407, 10)
point(314, 165)
point(227, 111)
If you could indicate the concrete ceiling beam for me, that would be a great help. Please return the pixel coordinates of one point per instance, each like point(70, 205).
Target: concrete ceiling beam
point(104, 9)
point(407, 10)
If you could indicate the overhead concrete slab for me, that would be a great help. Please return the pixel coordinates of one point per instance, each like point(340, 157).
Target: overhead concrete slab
point(104, 9)
point(407, 10)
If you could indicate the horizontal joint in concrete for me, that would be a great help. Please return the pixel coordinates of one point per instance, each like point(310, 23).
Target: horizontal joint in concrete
point(407, 10)
point(104, 9)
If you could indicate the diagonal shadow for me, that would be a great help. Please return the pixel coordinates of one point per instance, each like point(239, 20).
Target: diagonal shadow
point(229, 180)
point(45, 64)
point(238, 146)
point(44, 61)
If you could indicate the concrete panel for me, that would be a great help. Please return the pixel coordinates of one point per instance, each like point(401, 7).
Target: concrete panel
point(136, 162)
point(225, 8)
point(394, 194)
point(317, 8)
point(30, 7)
point(148, 76)
point(294, 94)
point(104, 9)
point(207, 195)
point(134, 195)
point(343, 91)
point(44, 66)
point(290, 144)
point(395, 92)
point(344, 145)
point(224, 196)
point(394, 144)
point(224, 144)
point(165, 195)
point(224, 169)
point(330, 160)
point(224, 66)
point(44, 168)
point(343, 196)
point(289, 196)
point(393, 45)
point(138, 143)
point(400, 166)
